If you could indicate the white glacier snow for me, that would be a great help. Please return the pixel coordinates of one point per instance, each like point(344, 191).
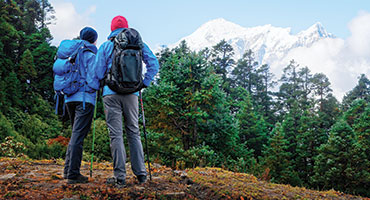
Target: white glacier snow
point(269, 43)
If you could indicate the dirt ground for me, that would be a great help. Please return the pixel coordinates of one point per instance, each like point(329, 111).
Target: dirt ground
point(43, 179)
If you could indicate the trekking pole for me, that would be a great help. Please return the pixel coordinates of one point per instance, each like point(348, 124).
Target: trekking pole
point(93, 142)
point(146, 142)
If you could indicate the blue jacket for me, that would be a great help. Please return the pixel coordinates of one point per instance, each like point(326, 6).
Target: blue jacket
point(88, 93)
point(104, 62)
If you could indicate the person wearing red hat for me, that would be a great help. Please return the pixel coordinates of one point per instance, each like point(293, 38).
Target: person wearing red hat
point(126, 105)
point(118, 22)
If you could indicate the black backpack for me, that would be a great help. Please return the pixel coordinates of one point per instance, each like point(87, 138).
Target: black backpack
point(125, 75)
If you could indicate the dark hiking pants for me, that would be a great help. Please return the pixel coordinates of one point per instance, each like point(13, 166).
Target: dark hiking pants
point(81, 122)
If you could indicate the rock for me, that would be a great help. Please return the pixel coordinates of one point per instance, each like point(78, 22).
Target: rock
point(156, 177)
point(75, 197)
point(182, 174)
point(175, 195)
point(156, 165)
point(30, 174)
point(7, 176)
point(140, 188)
point(203, 173)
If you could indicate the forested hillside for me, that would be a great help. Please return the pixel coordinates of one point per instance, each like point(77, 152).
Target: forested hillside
point(204, 109)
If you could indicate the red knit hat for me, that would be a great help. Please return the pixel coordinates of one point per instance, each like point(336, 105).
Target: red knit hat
point(118, 22)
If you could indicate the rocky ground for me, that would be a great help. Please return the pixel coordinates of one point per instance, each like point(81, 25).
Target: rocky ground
point(42, 179)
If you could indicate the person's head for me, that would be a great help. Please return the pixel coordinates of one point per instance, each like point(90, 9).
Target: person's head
point(89, 34)
point(118, 22)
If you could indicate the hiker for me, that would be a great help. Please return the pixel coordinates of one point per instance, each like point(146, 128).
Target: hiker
point(80, 107)
point(117, 105)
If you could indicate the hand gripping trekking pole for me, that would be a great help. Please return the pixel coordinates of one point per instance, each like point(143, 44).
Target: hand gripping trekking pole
point(146, 142)
point(93, 141)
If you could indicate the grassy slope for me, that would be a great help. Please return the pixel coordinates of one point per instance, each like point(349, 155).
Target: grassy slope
point(31, 179)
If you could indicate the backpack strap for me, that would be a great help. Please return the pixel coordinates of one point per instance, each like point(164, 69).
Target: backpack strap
point(83, 97)
point(74, 55)
point(56, 97)
point(64, 105)
point(81, 50)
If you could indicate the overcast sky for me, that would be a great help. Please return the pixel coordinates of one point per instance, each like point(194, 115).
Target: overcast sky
point(166, 21)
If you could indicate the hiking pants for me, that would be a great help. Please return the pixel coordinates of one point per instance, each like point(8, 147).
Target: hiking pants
point(114, 106)
point(81, 123)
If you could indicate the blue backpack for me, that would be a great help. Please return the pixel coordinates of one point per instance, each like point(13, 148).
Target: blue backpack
point(69, 72)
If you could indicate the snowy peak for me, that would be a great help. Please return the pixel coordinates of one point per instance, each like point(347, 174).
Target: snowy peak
point(219, 25)
point(316, 30)
point(270, 44)
point(213, 32)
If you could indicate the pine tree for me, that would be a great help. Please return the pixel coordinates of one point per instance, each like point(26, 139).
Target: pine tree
point(257, 80)
point(360, 121)
point(306, 86)
point(342, 163)
point(330, 112)
point(222, 60)
point(296, 85)
point(321, 87)
point(43, 82)
point(291, 125)
point(244, 73)
point(309, 139)
point(9, 37)
point(354, 113)
point(276, 157)
point(360, 91)
point(252, 127)
point(47, 13)
point(264, 97)
point(11, 13)
point(289, 91)
point(358, 117)
point(325, 104)
point(362, 149)
point(26, 70)
point(13, 93)
point(32, 16)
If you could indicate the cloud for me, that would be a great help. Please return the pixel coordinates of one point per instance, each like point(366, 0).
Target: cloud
point(359, 41)
point(68, 21)
point(341, 60)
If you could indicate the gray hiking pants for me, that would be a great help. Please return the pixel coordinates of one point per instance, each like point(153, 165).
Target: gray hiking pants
point(114, 107)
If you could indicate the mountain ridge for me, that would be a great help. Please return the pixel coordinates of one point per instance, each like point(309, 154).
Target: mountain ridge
point(269, 43)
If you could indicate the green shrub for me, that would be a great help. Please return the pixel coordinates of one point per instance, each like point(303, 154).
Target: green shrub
point(199, 156)
point(6, 128)
point(12, 148)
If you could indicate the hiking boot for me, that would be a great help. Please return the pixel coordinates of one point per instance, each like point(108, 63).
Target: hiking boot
point(79, 179)
point(141, 179)
point(111, 181)
point(120, 183)
point(65, 176)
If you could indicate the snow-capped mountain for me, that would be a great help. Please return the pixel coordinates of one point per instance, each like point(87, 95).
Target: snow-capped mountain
point(269, 43)
point(342, 60)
